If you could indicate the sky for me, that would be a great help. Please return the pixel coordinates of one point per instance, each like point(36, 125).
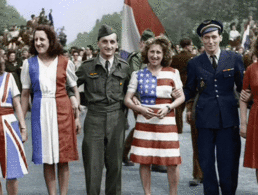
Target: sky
point(76, 15)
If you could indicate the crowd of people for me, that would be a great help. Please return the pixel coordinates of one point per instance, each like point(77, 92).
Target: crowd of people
point(157, 82)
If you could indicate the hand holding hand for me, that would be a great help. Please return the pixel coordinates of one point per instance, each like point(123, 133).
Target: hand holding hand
point(245, 95)
point(148, 113)
point(162, 112)
point(136, 101)
point(176, 93)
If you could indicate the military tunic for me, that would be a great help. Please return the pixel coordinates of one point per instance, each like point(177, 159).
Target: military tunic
point(104, 123)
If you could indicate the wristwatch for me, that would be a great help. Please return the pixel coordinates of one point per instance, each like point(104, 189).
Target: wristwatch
point(169, 109)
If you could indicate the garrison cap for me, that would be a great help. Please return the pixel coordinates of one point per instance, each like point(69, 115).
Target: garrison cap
point(209, 26)
point(147, 34)
point(105, 30)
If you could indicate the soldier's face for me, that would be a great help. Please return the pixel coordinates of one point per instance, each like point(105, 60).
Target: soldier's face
point(211, 42)
point(107, 46)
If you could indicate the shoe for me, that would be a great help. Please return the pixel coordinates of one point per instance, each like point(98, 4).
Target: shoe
point(194, 182)
point(128, 163)
point(159, 168)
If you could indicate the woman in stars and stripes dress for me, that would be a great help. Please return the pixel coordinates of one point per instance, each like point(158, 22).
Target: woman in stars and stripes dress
point(156, 137)
point(13, 162)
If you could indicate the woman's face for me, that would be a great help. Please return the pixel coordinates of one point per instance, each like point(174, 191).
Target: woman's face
point(12, 57)
point(155, 55)
point(41, 42)
point(2, 66)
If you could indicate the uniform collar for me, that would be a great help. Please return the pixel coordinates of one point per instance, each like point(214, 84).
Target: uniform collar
point(216, 54)
point(103, 61)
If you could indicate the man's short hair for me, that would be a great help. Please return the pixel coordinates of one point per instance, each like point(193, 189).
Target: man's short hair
point(185, 42)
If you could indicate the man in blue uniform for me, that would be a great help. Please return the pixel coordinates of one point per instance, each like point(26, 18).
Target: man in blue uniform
point(213, 74)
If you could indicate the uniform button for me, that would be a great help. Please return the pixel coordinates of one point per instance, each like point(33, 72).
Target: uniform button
point(217, 95)
point(216, 91)
point(216, 85)
point(215, 80)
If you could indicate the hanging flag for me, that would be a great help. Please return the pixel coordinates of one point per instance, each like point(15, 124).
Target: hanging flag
point(246, 38)
point(137, 16)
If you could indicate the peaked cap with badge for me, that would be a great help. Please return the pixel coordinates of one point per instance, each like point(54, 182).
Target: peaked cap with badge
point(209, 26)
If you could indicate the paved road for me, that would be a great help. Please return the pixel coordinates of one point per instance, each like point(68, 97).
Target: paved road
point(34, 184)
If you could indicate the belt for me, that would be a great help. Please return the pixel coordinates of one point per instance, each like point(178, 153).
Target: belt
point(100, 107)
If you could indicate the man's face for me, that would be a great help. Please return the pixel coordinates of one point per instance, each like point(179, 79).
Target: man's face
point(88, 51)
point(25, 54)
point(107, 46)
point(211, 41)
point(75, 56)
point(189, 47)
point(12, 57)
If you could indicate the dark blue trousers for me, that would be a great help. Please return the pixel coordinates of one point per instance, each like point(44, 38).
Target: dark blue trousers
point(224, 146)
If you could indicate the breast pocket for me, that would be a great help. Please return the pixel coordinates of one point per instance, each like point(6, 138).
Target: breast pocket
point(94, 83)
point(228, 74)
point(118, 80)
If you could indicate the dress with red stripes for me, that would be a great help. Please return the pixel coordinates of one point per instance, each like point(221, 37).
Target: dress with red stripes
point(155, 141)
point(13, 162)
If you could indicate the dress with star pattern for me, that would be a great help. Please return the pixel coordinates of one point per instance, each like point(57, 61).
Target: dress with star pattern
point(155, 141)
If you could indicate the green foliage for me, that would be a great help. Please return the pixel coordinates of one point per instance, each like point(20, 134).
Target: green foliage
point(181, 18)
point(9, 16)
point(84, 39)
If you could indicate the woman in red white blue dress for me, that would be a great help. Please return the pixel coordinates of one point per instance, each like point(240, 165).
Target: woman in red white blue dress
point(155, 136)
point(13, 162)
point(53, 125)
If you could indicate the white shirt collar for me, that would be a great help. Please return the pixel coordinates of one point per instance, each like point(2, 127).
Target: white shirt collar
point(103, 61)
point(216, 54)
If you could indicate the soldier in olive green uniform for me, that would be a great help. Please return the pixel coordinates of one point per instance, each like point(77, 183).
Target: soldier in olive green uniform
point(105, 80)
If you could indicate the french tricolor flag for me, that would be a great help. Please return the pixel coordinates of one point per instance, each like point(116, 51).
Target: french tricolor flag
point(137, 16)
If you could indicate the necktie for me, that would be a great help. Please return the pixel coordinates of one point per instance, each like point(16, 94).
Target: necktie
point(214, 63)
point(106, 66)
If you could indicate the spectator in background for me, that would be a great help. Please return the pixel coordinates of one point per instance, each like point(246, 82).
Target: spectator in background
point(234, 37)
point(13, 65)
point(75, 60)
point(88, 53)
point(13, 37)
point(33, 23)
point(25, 54)
point(50, 17)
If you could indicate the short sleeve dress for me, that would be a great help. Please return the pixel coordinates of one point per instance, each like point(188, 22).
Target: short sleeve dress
point(52, 120)
point(251, 150)
point(12, 155)
point(155, 141)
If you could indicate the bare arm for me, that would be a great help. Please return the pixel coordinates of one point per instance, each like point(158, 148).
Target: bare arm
point(75, 100)
point(20, 116)
point(243, 118)
point(25, 101)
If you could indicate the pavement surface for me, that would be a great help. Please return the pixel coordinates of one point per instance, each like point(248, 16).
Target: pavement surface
point(34, 184)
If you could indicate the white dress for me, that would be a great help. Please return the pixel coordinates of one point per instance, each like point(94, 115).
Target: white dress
point(46, 135)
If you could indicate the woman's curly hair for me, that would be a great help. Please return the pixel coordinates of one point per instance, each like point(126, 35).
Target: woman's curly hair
point(255, 47)
point(55, 48)
point(165, 44)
